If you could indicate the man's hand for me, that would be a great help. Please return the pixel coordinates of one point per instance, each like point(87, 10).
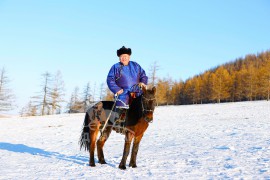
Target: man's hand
point(141, 85)
point(120, 92)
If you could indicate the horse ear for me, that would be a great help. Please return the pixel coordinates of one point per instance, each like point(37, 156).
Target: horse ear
point(144, 89)
point(154, 90)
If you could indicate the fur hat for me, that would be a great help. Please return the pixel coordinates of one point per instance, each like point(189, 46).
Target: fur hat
point(123, 50)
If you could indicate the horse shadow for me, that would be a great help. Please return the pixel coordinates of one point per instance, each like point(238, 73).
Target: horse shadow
point(21, 148)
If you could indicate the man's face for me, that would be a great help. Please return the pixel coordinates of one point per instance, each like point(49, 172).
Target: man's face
point(124, 59)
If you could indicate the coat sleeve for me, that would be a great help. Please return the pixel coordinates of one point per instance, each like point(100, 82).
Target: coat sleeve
point(143, 77)
point(111, 77)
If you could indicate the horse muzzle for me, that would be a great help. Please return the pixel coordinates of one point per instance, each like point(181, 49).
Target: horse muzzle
point(149, 117)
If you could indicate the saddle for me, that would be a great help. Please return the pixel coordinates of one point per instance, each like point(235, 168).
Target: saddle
point(97, 114)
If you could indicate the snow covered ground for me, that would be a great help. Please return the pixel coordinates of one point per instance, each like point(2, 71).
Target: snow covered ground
point(214, 141)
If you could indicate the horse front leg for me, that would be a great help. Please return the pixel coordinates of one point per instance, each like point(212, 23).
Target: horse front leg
point(128, 139)
point(135, 149)
point(100, 143)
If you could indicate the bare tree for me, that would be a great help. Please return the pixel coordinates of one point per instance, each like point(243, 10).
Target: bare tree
point(153, 74)
point(46, 92)
point(70, 103)
point(6, 96)
point(57, 92)
point(102, 91)
point(29, 110)
point(43, 100)
point(94, 92)
point(76, 104)
point(109, 96)
point(87, 96)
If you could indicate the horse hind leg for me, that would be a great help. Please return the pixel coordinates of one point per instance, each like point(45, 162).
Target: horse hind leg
point(93, 137)
point(100, 144)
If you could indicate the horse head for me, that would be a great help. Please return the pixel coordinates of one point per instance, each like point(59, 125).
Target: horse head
point(148, 103)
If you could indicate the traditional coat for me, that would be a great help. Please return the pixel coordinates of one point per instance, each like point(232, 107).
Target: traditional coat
point(125, 77)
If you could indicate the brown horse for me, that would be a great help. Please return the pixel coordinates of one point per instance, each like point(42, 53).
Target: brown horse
point(138, 117)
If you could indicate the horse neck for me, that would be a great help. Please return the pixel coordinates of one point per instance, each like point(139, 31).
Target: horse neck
point(135, 111)
point(136, 104)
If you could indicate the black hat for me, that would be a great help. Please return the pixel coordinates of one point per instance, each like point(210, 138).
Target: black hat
point(123, 50)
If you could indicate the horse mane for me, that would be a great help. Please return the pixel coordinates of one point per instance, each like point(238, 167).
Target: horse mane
point(135, 111)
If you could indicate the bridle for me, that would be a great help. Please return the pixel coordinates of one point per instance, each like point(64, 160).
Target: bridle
point(147, 110)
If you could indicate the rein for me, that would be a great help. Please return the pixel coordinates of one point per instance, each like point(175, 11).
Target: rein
point(147, 110)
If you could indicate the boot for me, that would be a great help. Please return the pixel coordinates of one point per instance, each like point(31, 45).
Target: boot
point(118, 125)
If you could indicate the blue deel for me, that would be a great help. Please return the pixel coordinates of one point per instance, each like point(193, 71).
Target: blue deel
point(125, 77)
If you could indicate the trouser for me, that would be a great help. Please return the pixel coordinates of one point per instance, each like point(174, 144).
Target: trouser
point(123, 99)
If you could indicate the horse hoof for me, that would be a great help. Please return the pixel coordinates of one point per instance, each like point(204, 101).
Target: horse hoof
point(92, 164)
point(133, 165)
point(102, 162)
point(122, 167)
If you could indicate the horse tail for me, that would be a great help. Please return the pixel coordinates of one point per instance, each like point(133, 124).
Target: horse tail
point(85, 135)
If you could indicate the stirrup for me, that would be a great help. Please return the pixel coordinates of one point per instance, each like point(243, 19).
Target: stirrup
point(119, 129)
point(119, 123)
point(119, 126)
point(122, 112)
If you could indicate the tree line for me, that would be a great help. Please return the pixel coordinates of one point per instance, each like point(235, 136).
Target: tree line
point(244, 79)
point(51, 97)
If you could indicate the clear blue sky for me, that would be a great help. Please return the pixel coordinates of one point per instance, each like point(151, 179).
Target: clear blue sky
point(80, 37)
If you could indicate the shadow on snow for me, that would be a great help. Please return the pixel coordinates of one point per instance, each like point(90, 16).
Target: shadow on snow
point(21, 148)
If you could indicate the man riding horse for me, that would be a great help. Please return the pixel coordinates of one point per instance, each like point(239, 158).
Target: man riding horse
point(125, 79)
